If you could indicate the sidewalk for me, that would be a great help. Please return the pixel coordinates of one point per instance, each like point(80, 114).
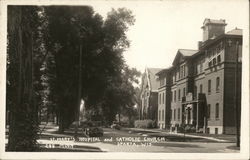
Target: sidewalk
point(211, 137)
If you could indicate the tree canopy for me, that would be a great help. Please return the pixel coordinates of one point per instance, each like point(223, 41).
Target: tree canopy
point(57, 52)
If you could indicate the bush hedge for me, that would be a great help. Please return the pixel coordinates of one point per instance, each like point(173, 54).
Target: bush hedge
point(148, 123)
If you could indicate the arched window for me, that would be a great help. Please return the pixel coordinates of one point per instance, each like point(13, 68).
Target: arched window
point(218, 59)
point(159, 98)
point(159, 118)
point(163, 98)
point(195, 91)
point(174, 114)
point(208, 111)
point(217, 84)
point(201, 88)
point(179, 114)
point(217, 110)
point(179, 94)
point(162, 115)
point(175, 95)
point(209, 86)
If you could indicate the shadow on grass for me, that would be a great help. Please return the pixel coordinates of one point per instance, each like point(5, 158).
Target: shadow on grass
point(174, 138)
point(75, 148)
point(181, 145)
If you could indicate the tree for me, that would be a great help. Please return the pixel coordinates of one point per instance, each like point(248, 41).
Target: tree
point(120, 96)
point(20, 78)
point(43, 63)
point(102, 43)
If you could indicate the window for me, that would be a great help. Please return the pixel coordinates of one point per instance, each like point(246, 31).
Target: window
point(162, 115)
point(159, 98)
point(172, 96)
point(181, 72)
point(179, 94)
point(195, 91)
point(214, 61)
point(210, 64)
point(175, 95)
point(201, 88)
point(217, 110)
point(179, 114)
point(184, 92)
point(174, 114)
point(218, 59)
point(201, 67)
point(159, 118)
point(171, 114)
point(216, 131)
point(208, 130)
point(163, 98)
point(197, 68)
point(208, 111)
point(209, 86)
point(217, 84)
point(184, 68)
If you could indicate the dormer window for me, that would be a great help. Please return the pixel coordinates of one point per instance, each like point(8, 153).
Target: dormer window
point(218, 59)
point(214, 61)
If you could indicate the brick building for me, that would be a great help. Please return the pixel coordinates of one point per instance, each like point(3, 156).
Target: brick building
point(164, 98)
point(149, 94)
point(202, 84)
point(181, 84)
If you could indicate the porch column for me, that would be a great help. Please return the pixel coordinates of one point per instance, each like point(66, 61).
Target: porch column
point(197, 116)
point(191, 114)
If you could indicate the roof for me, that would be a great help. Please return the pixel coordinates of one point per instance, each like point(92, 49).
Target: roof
point(183, 53)
point(235, 31)
point(152, 78)
point(187, 52)
point(164, 70)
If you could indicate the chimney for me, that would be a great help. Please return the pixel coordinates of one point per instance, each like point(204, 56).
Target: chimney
point(199, 44)
point(213, 28)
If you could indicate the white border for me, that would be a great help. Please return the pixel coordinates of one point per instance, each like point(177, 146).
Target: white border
point(244, 153)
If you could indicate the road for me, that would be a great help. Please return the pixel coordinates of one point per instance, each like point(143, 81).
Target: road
point(135, 141)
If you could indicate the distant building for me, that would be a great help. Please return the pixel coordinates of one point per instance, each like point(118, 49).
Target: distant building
point(164, 98)
point(149, 94)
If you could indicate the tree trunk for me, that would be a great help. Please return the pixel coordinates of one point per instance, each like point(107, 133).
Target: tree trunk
point(23, 126)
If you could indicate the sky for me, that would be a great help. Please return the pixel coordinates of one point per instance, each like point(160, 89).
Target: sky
point(163, 27)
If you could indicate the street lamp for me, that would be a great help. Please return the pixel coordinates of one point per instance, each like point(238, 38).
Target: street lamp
point(236, 97)
point(81, 30)
point(236, 107)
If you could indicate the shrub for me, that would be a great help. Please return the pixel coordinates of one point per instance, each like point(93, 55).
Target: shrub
point(186, 128)
point(148, 123)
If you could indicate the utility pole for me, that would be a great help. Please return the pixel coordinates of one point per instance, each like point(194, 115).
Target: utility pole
point(236, 97)
point(79, 92)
